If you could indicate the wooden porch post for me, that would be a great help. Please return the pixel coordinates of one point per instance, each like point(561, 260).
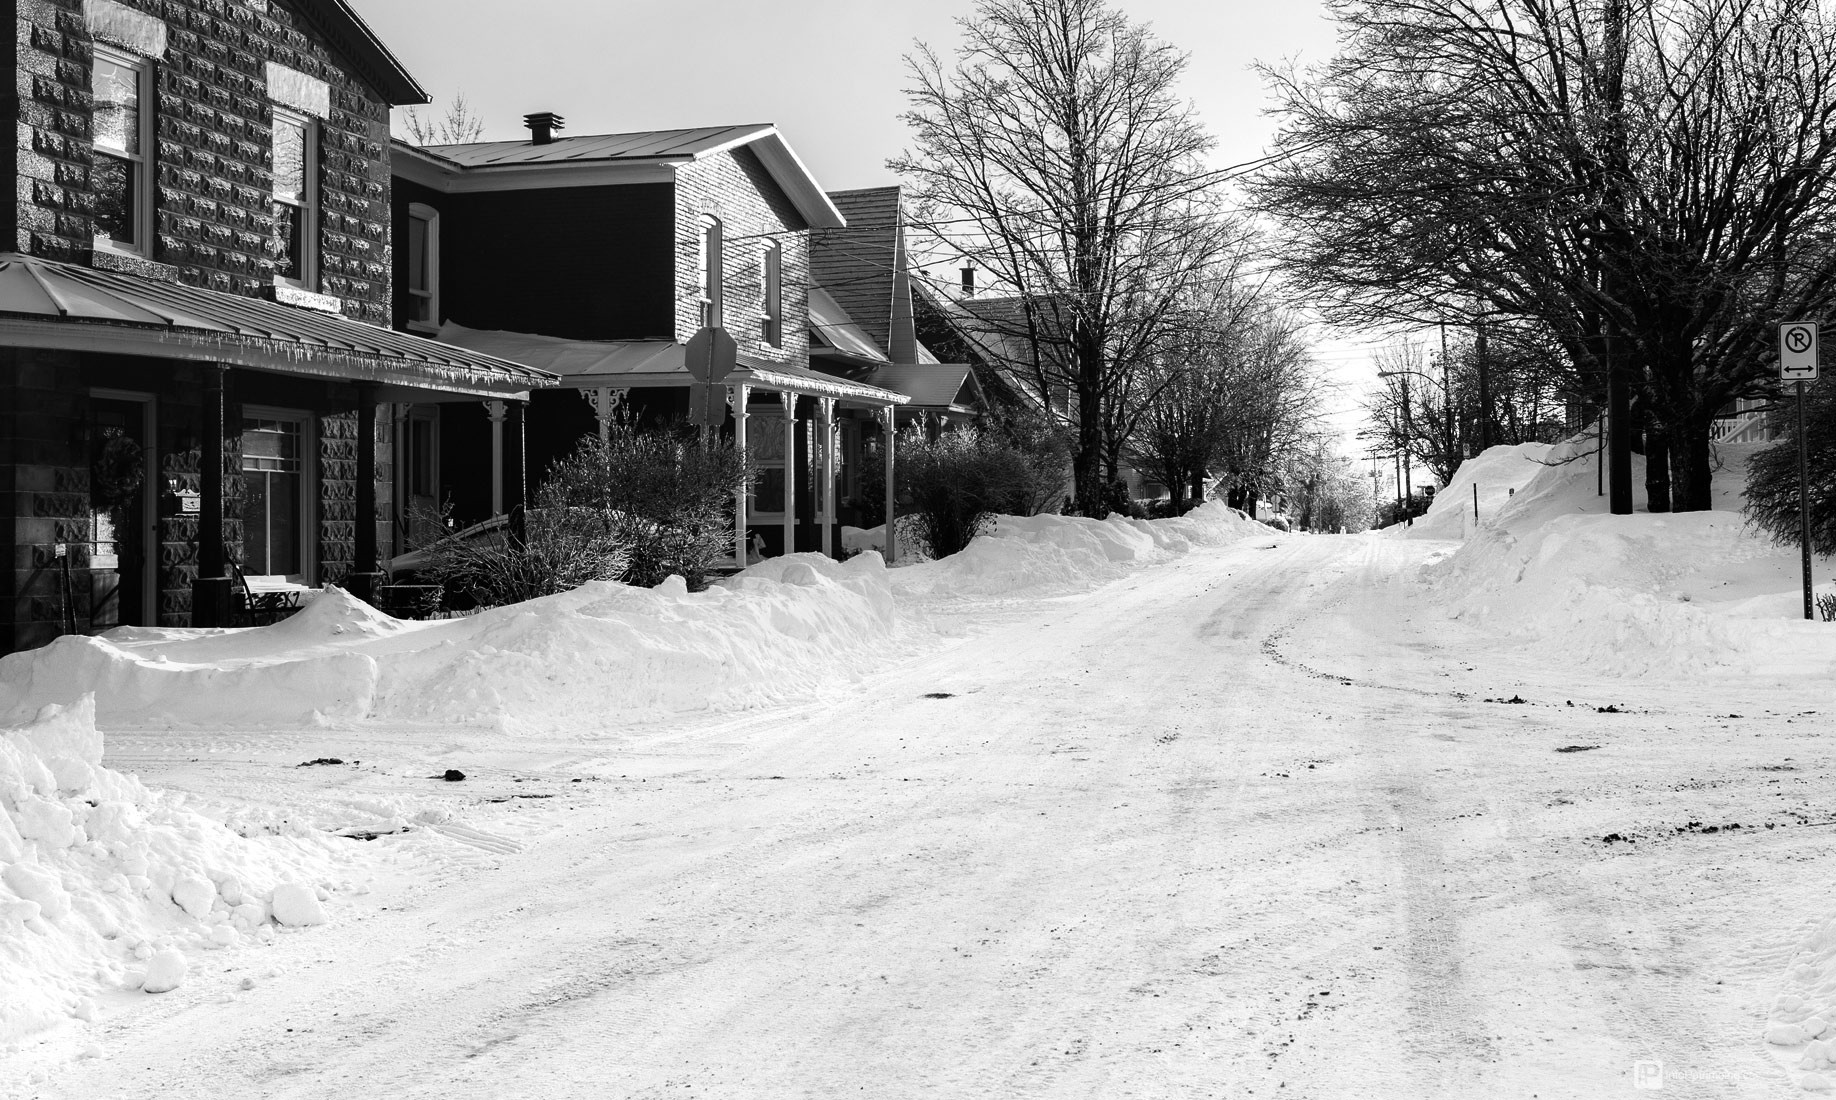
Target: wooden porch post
point(517, 491)
point(825, 419)
point(890, 423)
point(790, 470)
point(496, 411)
point(737, 396)
point(366, 478)
point(210, 593)
point(605, 401)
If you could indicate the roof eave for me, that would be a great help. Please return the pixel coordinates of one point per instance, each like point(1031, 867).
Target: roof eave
point(340, 23)
point(799, 185)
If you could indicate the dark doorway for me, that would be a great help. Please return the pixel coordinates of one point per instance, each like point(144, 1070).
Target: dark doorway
point(121, 520)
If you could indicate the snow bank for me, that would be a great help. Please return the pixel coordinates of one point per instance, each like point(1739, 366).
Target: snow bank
point(107, 885)
point(599, 655)
point(1498, 473)
point(1053, 555)
point(1633, 594)
point(1804, 1015)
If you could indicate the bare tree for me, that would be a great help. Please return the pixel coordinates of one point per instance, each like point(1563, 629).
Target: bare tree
point(457, 126)
point(1055, 155)
point(1652, 181)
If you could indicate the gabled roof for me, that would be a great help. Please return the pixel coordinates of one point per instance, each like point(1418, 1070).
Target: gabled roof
point(648, 148)
point(945, 386)
point(858, 264)
point(351, 36)
point(47, 304)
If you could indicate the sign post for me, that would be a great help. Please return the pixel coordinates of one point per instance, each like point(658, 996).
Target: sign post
point(1798, 365)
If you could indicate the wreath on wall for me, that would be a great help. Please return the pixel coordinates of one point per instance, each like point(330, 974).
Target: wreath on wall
point(117, 470)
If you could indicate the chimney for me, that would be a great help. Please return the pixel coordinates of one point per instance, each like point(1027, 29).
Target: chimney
point(542, 126)
point(969, 282)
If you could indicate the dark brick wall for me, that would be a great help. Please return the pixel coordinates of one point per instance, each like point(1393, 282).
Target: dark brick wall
point(213, 147)
point(577, 262)
point(735, 188)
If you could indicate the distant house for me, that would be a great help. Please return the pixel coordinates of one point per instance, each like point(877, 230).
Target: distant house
point(599, 258)
point(194, 297)
point(862, 327)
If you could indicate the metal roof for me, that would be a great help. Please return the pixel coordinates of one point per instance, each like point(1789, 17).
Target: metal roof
point(929, 385)
point(640, 364)
point(646, 145)
point(831, 324)
point(488, 165)
point(45, 303)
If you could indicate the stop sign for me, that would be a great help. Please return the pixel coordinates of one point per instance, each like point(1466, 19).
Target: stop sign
point(710, 355)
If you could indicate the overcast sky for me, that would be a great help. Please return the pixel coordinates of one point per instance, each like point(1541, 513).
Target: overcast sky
point(829, 73)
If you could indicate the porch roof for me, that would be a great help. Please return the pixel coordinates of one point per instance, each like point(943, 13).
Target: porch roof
point(49, 304)
point(929, 385)
point(641, 364)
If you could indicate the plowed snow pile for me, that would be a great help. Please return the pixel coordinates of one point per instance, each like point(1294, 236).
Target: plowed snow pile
point(107, 885)
point(1633, 594)
point(1048, 555)
point(600, 656)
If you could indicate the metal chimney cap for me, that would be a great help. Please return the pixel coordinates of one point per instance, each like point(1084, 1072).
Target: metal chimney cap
point(542, 126)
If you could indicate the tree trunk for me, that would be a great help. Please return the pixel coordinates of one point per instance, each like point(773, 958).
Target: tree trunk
point(1198, 487)
point(1692, 475)
point(1087, 464)
point(1657, 469)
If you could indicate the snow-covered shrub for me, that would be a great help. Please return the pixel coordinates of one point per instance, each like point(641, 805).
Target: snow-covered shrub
point(663, 495)
point(953, 486)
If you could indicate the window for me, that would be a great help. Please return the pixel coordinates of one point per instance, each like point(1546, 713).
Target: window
point(765, 452)
point(274, 495)
point(423, 267)
point(120, 175)
point(710, 272)
point(294, 245)
point(773, 326)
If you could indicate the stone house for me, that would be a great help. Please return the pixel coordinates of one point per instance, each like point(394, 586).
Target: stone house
point(196, 368)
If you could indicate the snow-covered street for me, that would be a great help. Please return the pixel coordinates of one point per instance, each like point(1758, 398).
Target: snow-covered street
point(1246, 822)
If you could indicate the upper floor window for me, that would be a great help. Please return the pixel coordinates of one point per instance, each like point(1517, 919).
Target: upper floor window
point(773, 325)
point(294, 245)
point(122, 134)
point(712, 271)
point(423, 267)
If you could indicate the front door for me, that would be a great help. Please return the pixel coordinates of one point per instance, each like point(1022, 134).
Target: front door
point(122, 534)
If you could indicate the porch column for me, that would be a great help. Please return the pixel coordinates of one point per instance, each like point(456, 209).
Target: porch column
point(790, 471)
point(605, 401)
point(889, 423)
point(496, 411)
point(516, 492)
point(210, 593)
point(366, 478)
point(398, 479)
point(825, 430)
point(737, 396)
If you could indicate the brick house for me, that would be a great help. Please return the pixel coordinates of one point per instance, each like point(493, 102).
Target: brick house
point(600, 258)
point(195, 287)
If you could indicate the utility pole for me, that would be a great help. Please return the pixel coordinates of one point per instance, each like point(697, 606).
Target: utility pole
point(1452, 434)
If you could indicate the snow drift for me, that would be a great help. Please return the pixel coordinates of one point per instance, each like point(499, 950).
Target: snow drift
point(105, 884)
point(1632, 594)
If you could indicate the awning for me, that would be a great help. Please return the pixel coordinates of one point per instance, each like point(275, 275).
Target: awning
point(47, 304)
point(938, 386)
point(830, 323)
point(642, 364)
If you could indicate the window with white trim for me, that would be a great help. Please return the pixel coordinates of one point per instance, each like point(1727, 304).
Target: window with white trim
point(120, 173)
point(772, 327)
point(275, 493)
point(423, 267)
point(711, 271)
point(295, 244)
